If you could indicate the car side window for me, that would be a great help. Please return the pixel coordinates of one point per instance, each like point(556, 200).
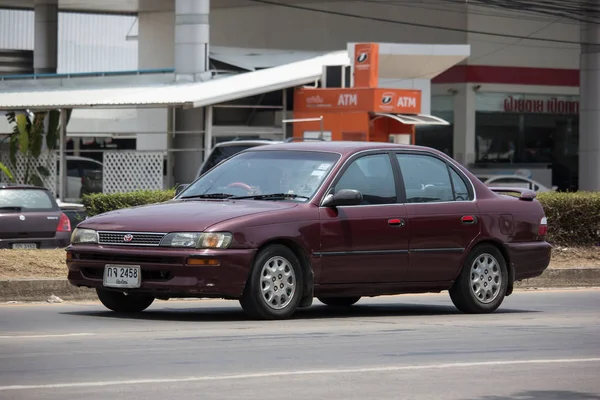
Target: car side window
point(461, 192)
point(372, 175)
point(426, 179)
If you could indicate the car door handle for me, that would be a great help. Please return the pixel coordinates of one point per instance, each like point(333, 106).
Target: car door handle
point(396, 222)
point(469, 220)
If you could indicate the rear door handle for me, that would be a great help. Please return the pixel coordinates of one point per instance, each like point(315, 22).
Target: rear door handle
point(396, 222)
point(469, 220)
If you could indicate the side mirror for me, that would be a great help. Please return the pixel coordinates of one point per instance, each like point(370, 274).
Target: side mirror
point(180, 189)
point(344, 197)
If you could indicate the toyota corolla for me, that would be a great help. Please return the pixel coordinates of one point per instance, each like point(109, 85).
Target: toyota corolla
point(276, 226)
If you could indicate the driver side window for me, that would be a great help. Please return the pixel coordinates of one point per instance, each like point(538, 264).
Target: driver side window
point(373, 176)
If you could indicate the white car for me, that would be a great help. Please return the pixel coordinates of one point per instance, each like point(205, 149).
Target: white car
point(77, 167)
point(514, 181)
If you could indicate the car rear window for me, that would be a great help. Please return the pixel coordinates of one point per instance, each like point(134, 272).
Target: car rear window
point(220, 153)
point(26, 200)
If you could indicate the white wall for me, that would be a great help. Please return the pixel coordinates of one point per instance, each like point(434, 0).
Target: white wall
point(502, 51)
point(156, 32)
point(86, 42)
point(287, 28)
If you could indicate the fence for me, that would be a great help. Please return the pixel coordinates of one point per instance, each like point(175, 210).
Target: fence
point(122, 171)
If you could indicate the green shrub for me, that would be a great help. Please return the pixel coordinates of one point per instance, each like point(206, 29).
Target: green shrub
point(98, 203)
point(573, 218)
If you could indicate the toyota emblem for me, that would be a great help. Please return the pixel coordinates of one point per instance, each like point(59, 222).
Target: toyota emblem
point(128, 238)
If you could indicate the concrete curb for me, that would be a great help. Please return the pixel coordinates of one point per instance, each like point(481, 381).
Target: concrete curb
point(43, 289)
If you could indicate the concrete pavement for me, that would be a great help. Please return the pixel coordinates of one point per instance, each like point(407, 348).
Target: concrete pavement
point(539, 345)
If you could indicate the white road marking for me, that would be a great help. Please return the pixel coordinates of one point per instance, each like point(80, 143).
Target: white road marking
point(300, 372)
point(46, 336)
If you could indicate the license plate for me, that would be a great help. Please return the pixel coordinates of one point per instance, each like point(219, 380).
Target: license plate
point(25, 246)
point(122, 276)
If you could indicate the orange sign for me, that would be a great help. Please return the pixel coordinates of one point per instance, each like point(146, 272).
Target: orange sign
point(366, 65)
point(400, 101)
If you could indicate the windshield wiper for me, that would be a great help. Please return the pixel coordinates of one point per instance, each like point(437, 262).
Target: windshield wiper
point(272, 196)
point(11, 208)
point(209, 196)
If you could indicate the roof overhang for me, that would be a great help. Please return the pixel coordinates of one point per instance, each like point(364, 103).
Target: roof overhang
point(176, 94)
point(416, 61)
point(413, 119)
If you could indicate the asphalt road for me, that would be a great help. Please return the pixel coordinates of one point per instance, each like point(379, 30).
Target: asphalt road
point(539, 345)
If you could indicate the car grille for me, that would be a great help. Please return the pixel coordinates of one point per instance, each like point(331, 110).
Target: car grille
point(137, 239)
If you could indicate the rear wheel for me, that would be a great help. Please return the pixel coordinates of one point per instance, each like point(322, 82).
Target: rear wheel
point(339, 301)
point(274, 289)
point(483, 281)
point(124, 303)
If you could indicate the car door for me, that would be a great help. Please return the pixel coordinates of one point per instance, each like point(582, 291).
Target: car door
point(367, 243)
point(443, 218)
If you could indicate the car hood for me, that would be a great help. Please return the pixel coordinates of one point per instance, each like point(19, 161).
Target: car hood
point(177, 215)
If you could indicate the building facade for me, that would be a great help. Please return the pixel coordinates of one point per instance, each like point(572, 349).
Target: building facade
point(513, 105)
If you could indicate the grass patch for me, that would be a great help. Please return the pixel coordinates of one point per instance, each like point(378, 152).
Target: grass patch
point(37, 264)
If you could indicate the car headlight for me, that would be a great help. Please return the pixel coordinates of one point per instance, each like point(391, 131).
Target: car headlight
point(198, 240)
point(84, 236)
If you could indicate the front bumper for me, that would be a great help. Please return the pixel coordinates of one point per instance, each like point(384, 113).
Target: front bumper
point(165, 272)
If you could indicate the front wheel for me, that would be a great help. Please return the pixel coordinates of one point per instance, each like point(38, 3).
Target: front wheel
point(482, 283)
point(124, 303)
point(274, 288)
point(339, 301)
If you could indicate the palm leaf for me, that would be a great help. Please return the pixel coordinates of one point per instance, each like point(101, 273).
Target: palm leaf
point(6, 172)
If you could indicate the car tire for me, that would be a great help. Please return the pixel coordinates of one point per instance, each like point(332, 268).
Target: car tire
point(124, 303)
point(276, 271)
point(482, 283)
point(339, 301)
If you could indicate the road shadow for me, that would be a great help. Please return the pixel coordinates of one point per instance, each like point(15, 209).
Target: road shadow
point(235, 313)
point(543, 395)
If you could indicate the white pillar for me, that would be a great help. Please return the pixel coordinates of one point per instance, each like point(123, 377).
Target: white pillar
point(62, 140)
point(192, 33)
point(464, 125)
point(45, 47)
point(191, 64)
point(589, 109)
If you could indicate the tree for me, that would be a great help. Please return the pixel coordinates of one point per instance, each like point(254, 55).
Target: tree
point(30, 132)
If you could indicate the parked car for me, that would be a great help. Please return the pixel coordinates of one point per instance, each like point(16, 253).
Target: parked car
point(80, 169)
point(222, 151)
point(30, 218)
point(275, 226)
point(514, 181)
point(74, 211)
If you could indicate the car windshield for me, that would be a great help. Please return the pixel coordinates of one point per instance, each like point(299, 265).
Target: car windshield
point(274, 175)
point(25, 200)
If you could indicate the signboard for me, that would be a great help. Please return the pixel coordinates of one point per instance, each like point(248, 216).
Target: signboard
point(536, 104)
point(400, 101)
point(366, 65)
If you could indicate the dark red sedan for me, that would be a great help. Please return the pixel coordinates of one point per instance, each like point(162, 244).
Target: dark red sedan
point(275, 226)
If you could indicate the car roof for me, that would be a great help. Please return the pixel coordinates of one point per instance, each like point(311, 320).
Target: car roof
point(341, 146)
point(20, 186)
point(246, 142)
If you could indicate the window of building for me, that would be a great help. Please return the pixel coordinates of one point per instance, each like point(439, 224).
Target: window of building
point(529, 129)
point(371, 175)
point(439, 137)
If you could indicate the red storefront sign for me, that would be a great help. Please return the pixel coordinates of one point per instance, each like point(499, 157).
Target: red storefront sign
point(552, 105)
